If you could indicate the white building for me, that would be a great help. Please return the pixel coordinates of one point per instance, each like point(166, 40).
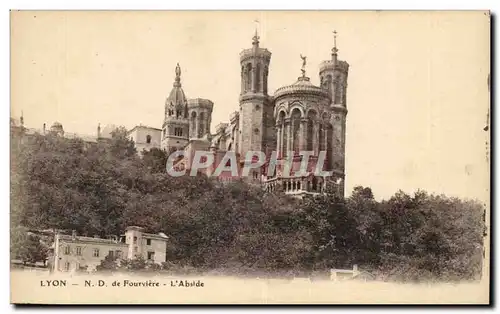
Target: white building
point(72, 252)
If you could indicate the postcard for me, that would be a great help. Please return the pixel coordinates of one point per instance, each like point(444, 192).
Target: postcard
point(250, 157)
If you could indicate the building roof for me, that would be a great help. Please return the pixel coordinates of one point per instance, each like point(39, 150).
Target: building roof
point(176, 97)
point(302, 86)
point(140, 126)
point(201, 103)
point(69, 238)
point(155, 236)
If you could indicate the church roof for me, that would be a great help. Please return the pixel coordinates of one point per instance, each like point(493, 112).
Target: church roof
point(302, 86)
point(201, 103)
point(176, 96)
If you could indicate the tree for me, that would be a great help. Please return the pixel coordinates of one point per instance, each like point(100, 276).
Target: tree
point(137, 263)
point(105, 187)
point(26, 246)
point(155, 160)
point(109, 263)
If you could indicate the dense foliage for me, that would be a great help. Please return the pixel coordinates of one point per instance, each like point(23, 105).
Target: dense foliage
point(237, 228)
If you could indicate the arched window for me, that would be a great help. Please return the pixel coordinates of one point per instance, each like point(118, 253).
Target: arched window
point(338, 90)
point(257, 77)
point(248, 79)
point(192, 124)
point(328, 83)
point(310, 129)
point(329, 146)
point(264, 82)
point(295, 130)
point(281, 123)
point(201, 131)
point(148, 139)
point(321, 130)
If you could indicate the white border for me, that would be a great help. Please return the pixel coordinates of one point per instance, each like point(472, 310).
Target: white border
point(185, 5)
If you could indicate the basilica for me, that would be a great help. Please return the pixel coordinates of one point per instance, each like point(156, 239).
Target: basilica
point(298, 117)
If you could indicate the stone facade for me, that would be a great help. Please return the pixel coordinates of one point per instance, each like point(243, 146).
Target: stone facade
point(298, 117)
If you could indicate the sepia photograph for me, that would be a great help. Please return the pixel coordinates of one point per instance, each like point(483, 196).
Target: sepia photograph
point(250, 157)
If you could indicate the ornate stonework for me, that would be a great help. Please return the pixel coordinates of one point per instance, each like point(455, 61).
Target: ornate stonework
point(298, 117)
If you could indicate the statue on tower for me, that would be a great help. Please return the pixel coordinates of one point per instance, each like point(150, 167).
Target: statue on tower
point(178, 70)
point(304, 61)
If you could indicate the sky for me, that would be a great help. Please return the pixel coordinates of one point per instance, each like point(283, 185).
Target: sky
point(417, 95)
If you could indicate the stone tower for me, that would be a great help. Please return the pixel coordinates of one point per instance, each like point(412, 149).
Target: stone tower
point(256, 123)
point(200, 117)
point(175, 129)
point(333, 77)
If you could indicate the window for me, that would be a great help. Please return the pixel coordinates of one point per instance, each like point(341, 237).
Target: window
point(111, 254)
point(178, 131)
point(151, 256)
point(67, 250)
point(148, 241)
point(164, 132)
point(148, 139)
point(78, 250)
point(96, 253)
point(257, 77)
point(118, 254)
point(135, 239)
point(66, 266)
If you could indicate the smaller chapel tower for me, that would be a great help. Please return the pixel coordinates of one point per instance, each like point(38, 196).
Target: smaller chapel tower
point(175, 129)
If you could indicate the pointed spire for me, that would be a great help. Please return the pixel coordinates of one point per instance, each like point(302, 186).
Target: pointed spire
point(177, 82)
point(22, 118)
point(334, 49)
point(255, 39)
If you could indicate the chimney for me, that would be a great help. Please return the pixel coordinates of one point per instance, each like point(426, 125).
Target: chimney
point(73, 234)
point(44, 128)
